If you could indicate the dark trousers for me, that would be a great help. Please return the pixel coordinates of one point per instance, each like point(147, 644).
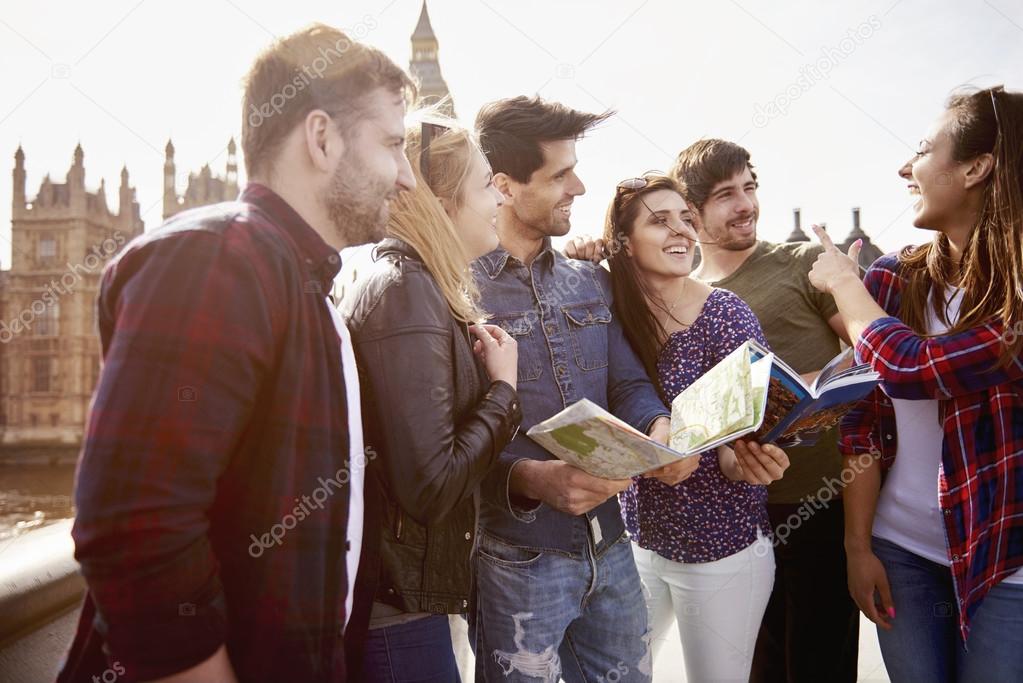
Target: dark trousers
point(810, 632)
point(417, 651)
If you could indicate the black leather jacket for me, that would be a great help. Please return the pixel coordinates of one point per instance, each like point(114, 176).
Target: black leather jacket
point(435, 424)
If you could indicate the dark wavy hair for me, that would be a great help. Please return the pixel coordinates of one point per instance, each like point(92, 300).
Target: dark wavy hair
point(512, 131)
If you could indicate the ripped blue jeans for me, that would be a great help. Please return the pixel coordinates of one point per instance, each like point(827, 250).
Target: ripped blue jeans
point(541, 616)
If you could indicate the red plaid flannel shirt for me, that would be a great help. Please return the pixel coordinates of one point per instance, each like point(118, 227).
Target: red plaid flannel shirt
point(220, 410)
point(981, 485)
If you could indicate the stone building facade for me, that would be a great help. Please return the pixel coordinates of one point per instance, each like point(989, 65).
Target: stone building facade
point(49, 349)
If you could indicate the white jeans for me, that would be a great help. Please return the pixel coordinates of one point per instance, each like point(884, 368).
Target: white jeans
point(718, 605)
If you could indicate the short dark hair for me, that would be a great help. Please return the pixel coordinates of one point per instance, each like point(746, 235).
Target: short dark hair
point(705, 163)
point(511, 132)
point(318, 67)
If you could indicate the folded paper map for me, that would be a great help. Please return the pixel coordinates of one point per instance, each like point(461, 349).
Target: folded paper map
point(749, 392)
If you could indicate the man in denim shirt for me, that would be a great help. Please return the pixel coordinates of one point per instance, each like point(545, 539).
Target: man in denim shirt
point(557, 588)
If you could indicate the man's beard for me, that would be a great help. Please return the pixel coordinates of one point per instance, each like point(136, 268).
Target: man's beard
point(357, 205)
point(725, 240)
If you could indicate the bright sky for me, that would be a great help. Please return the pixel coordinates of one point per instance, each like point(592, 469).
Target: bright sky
point(830, 97)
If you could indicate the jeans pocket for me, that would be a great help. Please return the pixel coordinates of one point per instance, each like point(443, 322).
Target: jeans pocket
point(504, 554)
point(587, 327)
point(521, 327)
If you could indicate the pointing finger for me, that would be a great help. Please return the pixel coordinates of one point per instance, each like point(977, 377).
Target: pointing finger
point(823, 236)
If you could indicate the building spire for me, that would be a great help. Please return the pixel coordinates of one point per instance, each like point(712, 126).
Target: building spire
point(19, 199)
point(424, 31)
point(425, 67)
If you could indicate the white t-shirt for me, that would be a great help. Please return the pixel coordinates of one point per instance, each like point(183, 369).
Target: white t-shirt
point(908, 512)
point(356, 456)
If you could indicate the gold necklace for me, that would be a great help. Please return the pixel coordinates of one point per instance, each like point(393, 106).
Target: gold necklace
point(670, 309)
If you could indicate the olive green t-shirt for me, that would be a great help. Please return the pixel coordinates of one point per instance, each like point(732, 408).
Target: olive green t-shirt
point(794, 316)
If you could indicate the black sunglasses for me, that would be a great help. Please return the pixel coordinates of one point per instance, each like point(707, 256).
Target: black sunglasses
point(427, 133)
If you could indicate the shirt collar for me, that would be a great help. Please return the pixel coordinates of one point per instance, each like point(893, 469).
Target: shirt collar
point(322, 260)
point(494, 262)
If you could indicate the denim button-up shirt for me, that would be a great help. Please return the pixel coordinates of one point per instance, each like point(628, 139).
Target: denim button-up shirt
point(570, 347)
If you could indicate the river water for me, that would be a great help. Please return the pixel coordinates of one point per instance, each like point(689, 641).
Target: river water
point(32, 496)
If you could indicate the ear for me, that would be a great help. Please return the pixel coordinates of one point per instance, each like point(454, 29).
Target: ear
point(697, 218)
point(979, 170)
point(448, 206)
point(322, 143)
point(503, 183)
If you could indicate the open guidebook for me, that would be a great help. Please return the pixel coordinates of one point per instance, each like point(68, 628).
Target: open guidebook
point(750, 392)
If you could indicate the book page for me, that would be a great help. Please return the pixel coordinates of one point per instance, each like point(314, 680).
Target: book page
point(719, 403)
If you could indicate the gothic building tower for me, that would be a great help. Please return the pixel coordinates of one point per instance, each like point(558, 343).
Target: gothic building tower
point(49, 349)
point(425, 68)
point(201, 188)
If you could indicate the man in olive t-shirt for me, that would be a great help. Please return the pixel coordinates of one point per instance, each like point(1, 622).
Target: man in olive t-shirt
point(793, 315)
point(810, 630)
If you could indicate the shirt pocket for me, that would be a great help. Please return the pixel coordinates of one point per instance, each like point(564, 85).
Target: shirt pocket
point(587, 327)
point(521, 326)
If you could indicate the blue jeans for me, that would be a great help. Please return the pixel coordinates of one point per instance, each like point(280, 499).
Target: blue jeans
point(924, 643)
point(544, 615)
point(417, 651)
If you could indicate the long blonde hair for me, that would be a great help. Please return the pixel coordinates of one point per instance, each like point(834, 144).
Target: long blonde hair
point(419, 218)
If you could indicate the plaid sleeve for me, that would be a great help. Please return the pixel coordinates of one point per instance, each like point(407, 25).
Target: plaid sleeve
point(187, 338)
point(860, 430)
point(915, 367)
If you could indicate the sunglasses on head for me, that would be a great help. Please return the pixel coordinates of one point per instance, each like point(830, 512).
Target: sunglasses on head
point(624, 188)
point(427, 133)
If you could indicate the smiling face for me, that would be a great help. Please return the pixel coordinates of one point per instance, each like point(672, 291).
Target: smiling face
point(661, 237)
point(729, 216)
point(936, 179)
point(475, 215)
point(545, 202)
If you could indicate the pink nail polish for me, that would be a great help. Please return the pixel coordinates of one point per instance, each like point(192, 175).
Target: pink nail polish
point(891, 612)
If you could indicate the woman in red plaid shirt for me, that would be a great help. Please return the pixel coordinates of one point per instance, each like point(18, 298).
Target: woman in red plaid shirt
point(934, 519)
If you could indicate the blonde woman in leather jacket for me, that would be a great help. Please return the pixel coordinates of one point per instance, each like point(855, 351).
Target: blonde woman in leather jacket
point(439, 404)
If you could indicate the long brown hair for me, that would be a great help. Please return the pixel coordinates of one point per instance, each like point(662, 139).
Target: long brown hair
point(990, 270)
point(644, 331)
